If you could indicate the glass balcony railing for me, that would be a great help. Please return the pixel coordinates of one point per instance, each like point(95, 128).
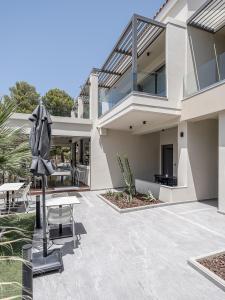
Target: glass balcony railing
point(150, 83)
point(86, 112)
point(205, 75)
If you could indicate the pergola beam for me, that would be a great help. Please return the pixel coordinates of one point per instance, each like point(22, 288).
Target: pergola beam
point(134, 53)
point(123, 52)
point(209, 17)
point(127, 49)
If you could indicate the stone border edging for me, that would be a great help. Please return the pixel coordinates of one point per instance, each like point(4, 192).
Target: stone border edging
point(126, 210)
point(193, 262)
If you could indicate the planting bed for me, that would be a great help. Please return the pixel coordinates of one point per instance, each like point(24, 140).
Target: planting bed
point(215, 264)
point(120, 200)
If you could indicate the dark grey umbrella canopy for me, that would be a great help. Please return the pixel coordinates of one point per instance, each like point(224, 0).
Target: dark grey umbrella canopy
point(40, 141)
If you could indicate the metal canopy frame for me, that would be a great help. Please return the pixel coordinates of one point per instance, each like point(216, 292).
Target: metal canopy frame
point(210, 16)
point(138, 35)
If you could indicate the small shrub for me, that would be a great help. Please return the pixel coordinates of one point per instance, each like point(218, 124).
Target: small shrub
point(110, 193)
point(117, 197)
point(121, 194)
point(149, 196)
point(127, 177)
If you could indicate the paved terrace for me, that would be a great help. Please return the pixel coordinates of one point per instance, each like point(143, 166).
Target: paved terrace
point(140, 255)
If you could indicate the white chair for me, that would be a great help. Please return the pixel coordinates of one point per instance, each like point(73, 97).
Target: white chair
point(79, 176)
point(3, 197)
point(61, 216)
point(25, 195)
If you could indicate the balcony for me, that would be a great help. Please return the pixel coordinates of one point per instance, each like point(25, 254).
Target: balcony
point(150, 83)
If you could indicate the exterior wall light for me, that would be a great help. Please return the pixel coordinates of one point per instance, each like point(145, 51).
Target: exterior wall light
point(131, 127)
point(181, 134)
point(144, 122)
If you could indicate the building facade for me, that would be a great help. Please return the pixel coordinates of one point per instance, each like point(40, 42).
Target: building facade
point(159, 98)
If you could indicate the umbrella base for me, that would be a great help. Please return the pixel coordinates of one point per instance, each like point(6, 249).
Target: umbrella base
point(52, 262)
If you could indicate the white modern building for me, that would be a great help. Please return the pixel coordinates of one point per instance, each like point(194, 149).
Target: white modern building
point(159, 98)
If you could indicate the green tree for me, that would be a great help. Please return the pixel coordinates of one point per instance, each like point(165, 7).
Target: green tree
point(58, 103)
point(15, 154)
point(24, 95)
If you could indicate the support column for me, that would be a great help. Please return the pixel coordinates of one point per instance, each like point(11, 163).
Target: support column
point(175, 59)
point(221, 166)
point(183, 157)
point(94, 96)
point(80, 108)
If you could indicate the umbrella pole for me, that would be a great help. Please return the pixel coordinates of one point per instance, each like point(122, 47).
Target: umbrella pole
point(45, 243)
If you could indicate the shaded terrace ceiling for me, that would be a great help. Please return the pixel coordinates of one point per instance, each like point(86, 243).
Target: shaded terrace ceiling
point(140, 33)
point(210, 16)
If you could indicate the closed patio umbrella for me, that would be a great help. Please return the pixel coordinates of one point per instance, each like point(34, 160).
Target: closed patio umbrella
point(40, 142)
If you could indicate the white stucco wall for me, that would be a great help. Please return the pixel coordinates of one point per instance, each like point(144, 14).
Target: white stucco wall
point(142, 151)
point(221, 196)
point(197, 163)
point(203, 155)
point(175, 60)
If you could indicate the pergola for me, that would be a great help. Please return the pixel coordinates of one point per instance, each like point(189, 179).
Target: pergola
point(210, 16)
point(138, 35)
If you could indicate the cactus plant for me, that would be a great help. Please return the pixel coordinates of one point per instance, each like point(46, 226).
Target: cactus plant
point(127, 176)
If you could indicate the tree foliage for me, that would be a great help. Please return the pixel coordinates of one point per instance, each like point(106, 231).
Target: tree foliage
point(24, 95)
point(14, 148)
point(58, 102)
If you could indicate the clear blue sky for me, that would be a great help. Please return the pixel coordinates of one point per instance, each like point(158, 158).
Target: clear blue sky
point(55, 43)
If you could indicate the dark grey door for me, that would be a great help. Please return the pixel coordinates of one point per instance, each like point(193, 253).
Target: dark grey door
point(167, 160)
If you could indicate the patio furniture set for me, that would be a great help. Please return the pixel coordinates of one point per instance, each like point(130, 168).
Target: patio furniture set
point(10, 193)
point(77, 176)
point(60, 224)
point(166, 180)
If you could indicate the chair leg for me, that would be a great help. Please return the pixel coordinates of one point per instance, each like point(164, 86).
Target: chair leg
point(73, 230)
point(24, 202)
point(28, 203)
point(9, 206)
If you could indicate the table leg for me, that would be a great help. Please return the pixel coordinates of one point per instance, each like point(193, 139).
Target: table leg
point(7, 199)
point(60, 225)
point(13, 199)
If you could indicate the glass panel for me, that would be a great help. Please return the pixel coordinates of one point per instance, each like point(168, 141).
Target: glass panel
point(205, 75)
point(86, 111)
point(161, 82)
point(222, 65)
point(146, 83)
point(108, 98)
point(153, 83)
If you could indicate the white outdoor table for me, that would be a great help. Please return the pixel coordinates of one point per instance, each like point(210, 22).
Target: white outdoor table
point(10, 187)
point(61, 174)
point(60, 201)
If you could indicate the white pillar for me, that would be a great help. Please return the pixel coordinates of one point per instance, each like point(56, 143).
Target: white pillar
point(221, 179)
point(80, 108)
point(183, 158)
point(175, 59)
point(93, 96)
